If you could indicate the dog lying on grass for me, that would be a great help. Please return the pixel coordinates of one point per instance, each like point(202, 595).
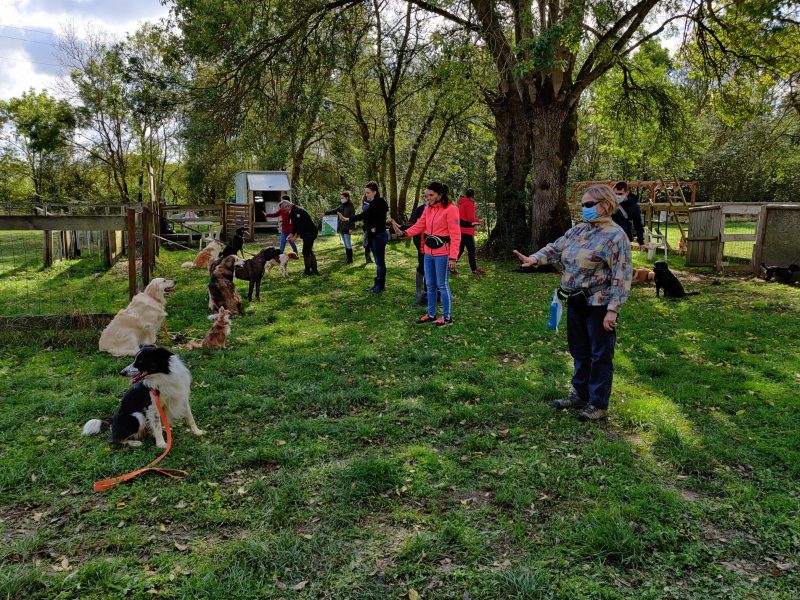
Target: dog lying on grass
point(137, 416)
point(643, 277)
point(138, 323)
point(783, 274)
point(205, 257)
point(252, 270)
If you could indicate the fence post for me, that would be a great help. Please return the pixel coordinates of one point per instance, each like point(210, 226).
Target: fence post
point(147, 244)
point(131, 253)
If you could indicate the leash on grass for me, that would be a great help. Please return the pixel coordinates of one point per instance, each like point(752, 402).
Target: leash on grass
point(187, 247)
point(107, 484)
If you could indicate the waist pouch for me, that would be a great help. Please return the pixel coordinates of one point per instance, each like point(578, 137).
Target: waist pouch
point(579, 297)
point(434, 242)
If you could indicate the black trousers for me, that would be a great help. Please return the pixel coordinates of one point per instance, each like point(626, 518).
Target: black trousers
point(468, 242)
point(308, 243)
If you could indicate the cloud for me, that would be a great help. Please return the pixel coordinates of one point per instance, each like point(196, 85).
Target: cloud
point(107, 11)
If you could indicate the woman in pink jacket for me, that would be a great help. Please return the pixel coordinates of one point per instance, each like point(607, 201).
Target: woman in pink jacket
point(441, 238)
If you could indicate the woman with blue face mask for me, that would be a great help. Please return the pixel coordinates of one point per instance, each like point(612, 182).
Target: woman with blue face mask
point(596, 258)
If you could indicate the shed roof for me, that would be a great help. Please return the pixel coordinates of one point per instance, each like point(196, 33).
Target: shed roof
point(267, 182)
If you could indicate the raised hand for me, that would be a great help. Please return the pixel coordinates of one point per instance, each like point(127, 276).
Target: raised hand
point(525, 261)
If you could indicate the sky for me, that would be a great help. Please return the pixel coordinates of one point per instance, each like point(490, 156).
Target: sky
point(29, 30)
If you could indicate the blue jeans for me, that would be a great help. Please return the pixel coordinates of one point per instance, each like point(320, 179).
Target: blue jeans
point(346, 240)
point(379, 252)
point(283, 243)
point(592, 350)
point(436, 275)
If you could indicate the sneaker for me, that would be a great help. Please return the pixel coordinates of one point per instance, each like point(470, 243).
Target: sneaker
point(425, 319)
point(443, 322)
point(592, 413)
point(571, 401)
point(479, 271)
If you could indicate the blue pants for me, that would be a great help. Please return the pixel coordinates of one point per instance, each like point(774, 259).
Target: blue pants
point(346, 240)
point(592, 350)
point(379, 252)
point(283, 243)
point(436, 275)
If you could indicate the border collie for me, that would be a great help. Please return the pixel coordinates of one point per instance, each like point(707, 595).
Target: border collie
point(153, 368)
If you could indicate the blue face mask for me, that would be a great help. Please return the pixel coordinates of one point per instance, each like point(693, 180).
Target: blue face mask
point(589, 213)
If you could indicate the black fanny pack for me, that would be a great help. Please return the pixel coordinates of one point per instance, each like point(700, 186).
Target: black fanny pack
point(434, 242)
point(579, 297)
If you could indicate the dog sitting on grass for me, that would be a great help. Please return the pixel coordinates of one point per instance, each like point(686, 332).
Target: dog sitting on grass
point(216, 336)
point(205, 257)
point(236, 245)
point(221, 290)
point(666, 280)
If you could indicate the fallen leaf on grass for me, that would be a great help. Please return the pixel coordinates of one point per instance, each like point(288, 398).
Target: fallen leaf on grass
point(181, 547)
point(413, 594)
point(65, 563)
point(37, 517)
point(300, 585)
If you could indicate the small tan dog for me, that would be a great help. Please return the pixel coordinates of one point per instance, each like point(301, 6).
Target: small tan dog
point(216, 336)
point(205, 257)
point(138, 324)
point(643, 277)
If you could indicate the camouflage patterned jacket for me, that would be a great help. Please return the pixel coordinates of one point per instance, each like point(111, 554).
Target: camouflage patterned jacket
point(593, 254)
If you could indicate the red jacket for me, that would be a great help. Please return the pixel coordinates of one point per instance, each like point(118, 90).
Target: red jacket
point(442, 221)
point(466, 212)
point(286, 220)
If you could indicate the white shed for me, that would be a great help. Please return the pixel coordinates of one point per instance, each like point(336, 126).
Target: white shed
point(262, 190)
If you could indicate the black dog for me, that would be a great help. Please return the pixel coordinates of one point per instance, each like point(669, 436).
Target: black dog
point(782, 274)
point(236, 245)
point(666, 280)
point(253, 270)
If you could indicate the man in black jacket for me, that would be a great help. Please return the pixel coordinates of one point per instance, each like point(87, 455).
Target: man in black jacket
point(628, 215)
point(306, 230)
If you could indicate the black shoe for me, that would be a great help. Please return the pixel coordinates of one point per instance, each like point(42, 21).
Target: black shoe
point(592, 413)
point(571, 401)
point(380, 285)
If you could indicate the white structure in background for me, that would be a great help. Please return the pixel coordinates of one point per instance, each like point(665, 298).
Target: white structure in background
point(262, 190)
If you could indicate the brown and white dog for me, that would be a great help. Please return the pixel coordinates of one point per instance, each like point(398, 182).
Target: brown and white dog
point(205, 257)
point(282, 260)
point(139, 323)
point(216, 336)
point(221, 290)
point(643, 277)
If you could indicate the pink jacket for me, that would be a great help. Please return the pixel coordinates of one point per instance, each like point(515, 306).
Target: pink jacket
point(441, 221)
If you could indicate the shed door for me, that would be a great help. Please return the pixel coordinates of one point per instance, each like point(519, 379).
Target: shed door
point(705, 226)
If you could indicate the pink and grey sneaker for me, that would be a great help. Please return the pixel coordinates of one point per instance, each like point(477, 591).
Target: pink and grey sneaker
point(425, 319)
point(443, 321)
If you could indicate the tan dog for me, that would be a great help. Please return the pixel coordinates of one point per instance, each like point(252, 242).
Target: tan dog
point(139, 323)
point(643, 277)
point(205, 256)
point(282, 260)
point(216, 336)
point(221, 291)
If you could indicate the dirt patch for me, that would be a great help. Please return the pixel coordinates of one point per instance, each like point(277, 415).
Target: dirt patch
point(687, 495)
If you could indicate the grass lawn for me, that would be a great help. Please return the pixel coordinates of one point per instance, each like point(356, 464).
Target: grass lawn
point(353, 454)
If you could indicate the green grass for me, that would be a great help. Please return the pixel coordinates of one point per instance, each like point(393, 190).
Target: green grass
point(352, 450)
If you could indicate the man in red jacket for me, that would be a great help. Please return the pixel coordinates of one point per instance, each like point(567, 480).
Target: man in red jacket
point(287, 227)
point(468, 220)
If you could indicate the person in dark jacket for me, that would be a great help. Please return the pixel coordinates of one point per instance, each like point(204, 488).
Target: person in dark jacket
point(374, 219)
point(365, 242)
point(422, 290)
point(306, 230)
point(345, 228)
point(628, 215)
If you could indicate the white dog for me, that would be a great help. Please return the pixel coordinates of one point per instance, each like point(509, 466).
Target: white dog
point(139, 323)
point(282, 261)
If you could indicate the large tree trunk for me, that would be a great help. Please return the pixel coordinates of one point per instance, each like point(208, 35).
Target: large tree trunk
point(392, 182)
point(553, 127)
point(512, 161)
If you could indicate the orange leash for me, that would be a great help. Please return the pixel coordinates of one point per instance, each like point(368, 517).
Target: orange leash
point(107, 484)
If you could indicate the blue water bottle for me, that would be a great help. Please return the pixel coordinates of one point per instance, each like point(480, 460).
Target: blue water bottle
point(555, 312)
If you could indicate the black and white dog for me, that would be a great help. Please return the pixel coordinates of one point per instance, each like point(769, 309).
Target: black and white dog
point(154, 368)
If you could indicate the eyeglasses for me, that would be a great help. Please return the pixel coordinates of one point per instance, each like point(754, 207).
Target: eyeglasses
point(590, 203)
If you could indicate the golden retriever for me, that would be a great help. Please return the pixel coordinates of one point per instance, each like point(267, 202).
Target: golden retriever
point(205, 257)
point(139, 323)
